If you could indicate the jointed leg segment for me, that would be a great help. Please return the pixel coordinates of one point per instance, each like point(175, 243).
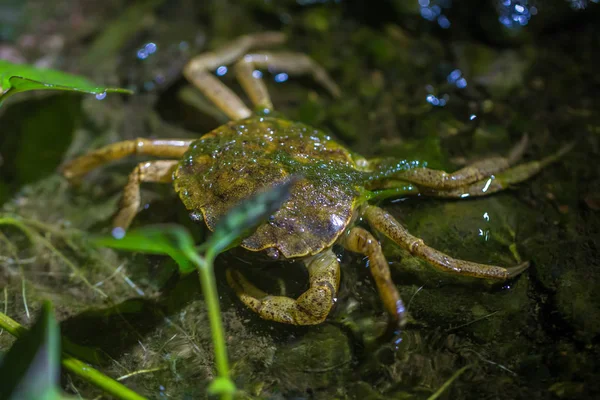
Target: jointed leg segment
point(501, 181)
point(361, 241)
point(160, 171)
point(441, 180)
point(386, 224)
point(198, 70)
point(294, 64)
point(312, 307)
point(253, 85)
point(172, 148)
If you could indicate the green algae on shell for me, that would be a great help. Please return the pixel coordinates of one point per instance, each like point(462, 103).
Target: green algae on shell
point(241, 158)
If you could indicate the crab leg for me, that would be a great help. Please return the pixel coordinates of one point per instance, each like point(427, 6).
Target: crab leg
point(216, 91)
point(160, 171)
point(311, 308)
point(198, 70)
point(154, 147)
point(390, 227)
point(290, 63)
point(501, 181)
point(361, 241)
point(253, 84)
point(441, 180)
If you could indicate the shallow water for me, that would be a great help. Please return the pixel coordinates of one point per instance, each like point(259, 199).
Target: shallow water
point(441, 82)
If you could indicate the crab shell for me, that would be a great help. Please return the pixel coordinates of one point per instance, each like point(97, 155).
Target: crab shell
point(241, 158)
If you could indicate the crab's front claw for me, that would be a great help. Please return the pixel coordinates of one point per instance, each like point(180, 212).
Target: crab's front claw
point(311, 308)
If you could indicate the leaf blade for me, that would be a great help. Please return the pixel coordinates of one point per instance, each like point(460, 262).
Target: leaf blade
point(16, 78)
point(166, 239)
point(246, 216)
point(31, 368)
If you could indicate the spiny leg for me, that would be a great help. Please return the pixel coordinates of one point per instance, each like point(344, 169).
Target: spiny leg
point(390, 227)
point(312, 307)
point(361, 241)
point(441, 180)
point(198, 70)
point(291, 63)
point(160, 171)
point(155, 147)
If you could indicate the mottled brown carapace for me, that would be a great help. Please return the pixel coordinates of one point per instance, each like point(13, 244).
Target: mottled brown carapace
point(240, 158)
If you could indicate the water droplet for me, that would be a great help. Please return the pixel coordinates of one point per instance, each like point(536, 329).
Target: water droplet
point(222, 70)
point(142, 54)
point(101, 96)
point(443, 21)
point(454, 76)
point(196, 216)
point(150, 48)
point(281, 77)
point(118, 233)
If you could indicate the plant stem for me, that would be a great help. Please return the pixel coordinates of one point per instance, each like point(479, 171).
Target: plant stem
point(79, 368)
point(97, 378)
point(207, 281)
point(447, 384)
point(11, 326)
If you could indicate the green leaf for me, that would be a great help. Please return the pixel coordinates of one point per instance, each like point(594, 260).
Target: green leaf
point(31, 368)
point(245, 217)
point(171, 240)
point(15, 78)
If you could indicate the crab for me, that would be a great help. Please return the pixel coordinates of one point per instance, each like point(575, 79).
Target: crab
point(335, 190)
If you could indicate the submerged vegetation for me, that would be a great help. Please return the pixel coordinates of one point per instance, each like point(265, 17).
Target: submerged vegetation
point(445, 83)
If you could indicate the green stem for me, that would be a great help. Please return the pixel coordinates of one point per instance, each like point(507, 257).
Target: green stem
point(11, 326)
point(5, 220)
point(207, 281)
point(447, 384)
point(97, 378)
point(79, 368)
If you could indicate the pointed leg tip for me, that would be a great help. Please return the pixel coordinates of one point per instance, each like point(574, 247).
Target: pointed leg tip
point(565, 149)
point(517, 269)
point(335, 91)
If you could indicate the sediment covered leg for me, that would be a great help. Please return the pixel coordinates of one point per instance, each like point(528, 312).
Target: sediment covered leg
point(361, 241)
point(441, 180)
point(253, 84)
point(390, 227)
point(291, 63)
point(312, 307)
point(198, 71)
point(500, 181)
point(151, 171)
point(172, 148)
